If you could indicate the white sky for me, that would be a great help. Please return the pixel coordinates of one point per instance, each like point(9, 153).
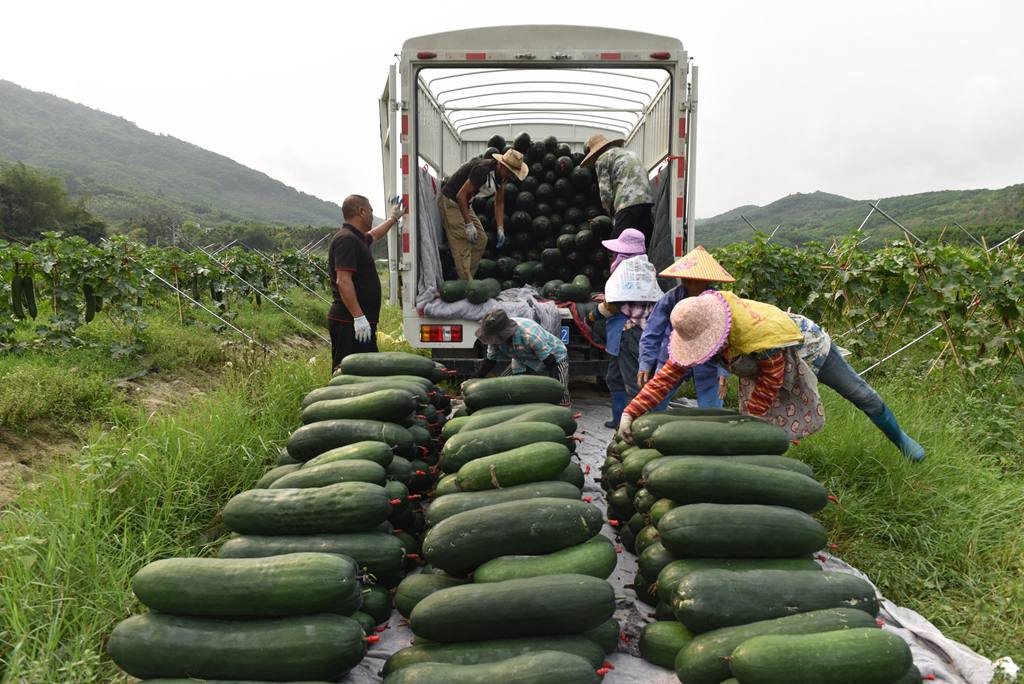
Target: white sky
point(864, 99)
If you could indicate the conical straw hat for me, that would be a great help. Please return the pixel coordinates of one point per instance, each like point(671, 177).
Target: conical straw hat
point(697, 264)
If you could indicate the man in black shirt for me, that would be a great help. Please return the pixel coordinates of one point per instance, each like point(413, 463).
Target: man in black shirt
point(466, 237)
point(352, 319)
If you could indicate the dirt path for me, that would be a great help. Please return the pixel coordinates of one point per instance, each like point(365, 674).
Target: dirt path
point(25, 453)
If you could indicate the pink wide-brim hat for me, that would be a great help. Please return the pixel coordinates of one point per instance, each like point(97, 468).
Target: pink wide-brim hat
point(630, 241)
point(700, 327)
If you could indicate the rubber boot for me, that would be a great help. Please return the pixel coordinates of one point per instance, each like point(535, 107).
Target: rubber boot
point(886, 422)
point(619, 402)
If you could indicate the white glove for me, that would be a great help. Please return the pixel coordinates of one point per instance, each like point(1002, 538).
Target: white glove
point(470, 233)
point(397, 207)
point(501, 237)
point(363, 332)
point(626, 428)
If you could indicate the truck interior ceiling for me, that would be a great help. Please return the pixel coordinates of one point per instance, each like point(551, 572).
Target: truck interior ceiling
point(459, 110)
point(465, 113)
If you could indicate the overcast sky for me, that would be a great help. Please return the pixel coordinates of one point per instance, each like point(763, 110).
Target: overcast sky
point(864, 99)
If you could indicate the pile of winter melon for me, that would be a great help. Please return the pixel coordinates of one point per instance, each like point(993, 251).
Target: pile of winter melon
point(721, 522)
point(554, 224)
point(298, 590)
point(515, 587)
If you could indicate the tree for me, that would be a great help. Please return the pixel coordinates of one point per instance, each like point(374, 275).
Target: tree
point(32, 202)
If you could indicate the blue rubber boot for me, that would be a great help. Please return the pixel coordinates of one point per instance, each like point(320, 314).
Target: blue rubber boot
point(886, 422)
point(619, 402)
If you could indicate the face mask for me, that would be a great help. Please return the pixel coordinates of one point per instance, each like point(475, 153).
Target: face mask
point(619, 258)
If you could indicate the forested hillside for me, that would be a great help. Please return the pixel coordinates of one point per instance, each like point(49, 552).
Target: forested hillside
point(130, 175)
point(820, 216)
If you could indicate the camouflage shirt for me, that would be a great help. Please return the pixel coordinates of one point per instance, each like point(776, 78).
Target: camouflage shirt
point(622, 180)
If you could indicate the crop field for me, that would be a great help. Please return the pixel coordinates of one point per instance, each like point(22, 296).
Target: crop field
point(130, 417)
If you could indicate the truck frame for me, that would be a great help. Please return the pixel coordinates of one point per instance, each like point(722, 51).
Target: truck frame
point(436, 112)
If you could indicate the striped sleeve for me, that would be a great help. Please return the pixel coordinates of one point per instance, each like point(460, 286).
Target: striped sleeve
point(769, 380)
point(655, 391)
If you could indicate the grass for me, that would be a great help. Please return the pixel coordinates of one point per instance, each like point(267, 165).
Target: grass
point(944, 537)
point(146, 489)
point(75, 385)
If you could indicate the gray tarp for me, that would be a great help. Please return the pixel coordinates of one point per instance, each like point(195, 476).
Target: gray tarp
point(518, 302)
point(934, 654)
point(660, 251)
point(428, 238)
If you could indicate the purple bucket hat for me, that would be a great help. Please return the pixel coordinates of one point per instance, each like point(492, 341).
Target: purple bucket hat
point(630, 241)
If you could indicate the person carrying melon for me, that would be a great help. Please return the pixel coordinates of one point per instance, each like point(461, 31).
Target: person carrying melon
point(466, 237)
point(780, 357)
point(696, 270)
point(622, 182)
point(527, 347)
point(629, 297)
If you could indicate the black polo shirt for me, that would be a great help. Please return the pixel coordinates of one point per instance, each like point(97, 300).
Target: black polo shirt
point(475, 171)
point(350, 251)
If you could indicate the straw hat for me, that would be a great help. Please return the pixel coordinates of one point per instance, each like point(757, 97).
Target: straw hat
point(495, 327)
point(700, 327)
point(697, 264)
point(513, 161)
point(595, 146)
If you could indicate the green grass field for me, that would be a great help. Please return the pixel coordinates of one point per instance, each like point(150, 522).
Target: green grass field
point(945, 537)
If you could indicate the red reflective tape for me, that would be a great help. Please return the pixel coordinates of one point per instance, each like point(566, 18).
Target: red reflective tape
point(679, 207)
point(679, 246)
point(680, 167)
point(405, 165)
point(405, 124)
point(476, 55)
point(405, 243)
point(682, 127)
point(612, 56)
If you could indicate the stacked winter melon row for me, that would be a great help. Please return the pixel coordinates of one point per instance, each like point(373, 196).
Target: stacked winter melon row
point(516, 586)
point(725, 540)
point(304, 579)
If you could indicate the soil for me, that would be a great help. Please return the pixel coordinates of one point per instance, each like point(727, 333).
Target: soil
point(24, 453)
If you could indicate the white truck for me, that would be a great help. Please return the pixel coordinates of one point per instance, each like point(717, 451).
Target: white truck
point(452, 91)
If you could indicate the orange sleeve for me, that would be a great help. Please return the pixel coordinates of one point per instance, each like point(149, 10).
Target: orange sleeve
point(766, 388)
point(655, 391)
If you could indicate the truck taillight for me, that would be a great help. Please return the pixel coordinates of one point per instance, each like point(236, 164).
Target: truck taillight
point(426, 55)
point(660, 55)
point(440, 333)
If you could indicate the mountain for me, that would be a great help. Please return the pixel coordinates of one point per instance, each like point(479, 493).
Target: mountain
point(128, 174)
point(821, 216)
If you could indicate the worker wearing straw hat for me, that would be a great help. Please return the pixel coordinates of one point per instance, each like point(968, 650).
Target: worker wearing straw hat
point(780, 358)
point(622, 181)
point(696, 270)
point(527, 347)
point(466, 237)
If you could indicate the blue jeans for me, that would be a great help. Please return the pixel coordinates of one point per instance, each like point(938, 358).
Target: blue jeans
point(836, 373)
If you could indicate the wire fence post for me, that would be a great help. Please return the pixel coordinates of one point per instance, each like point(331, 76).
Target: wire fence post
point(285, 271)
point(268, 297)
point(198, 303)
